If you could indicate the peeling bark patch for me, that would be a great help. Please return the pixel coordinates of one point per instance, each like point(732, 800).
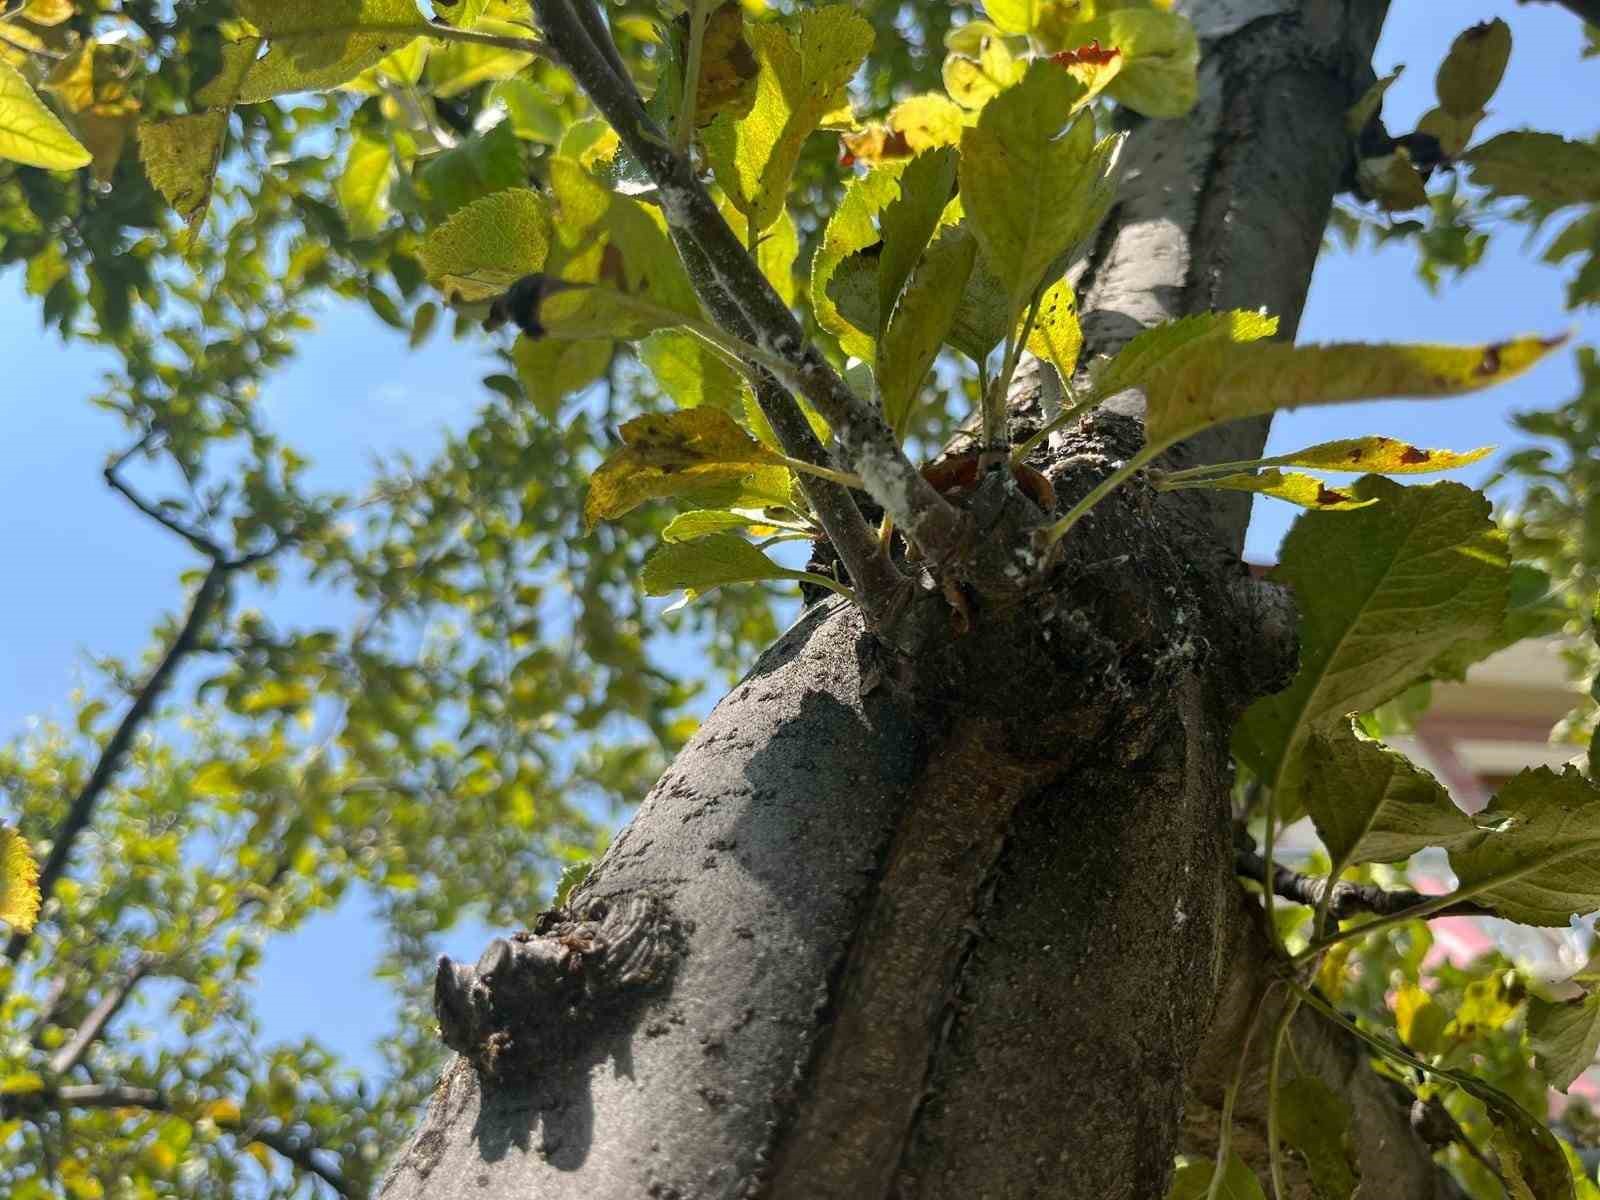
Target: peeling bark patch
point(530, 998)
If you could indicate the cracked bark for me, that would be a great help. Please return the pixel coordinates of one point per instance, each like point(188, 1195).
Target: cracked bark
point(968, 925)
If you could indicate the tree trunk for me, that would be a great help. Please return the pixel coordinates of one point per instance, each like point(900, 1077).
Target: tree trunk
point(964, 926)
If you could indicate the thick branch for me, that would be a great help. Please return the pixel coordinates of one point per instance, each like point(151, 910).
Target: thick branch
point(204, 605)
point(295, 1150)
point(1349, 899)
point(867, 442)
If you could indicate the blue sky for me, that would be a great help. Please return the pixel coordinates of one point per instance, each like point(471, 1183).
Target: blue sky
point(88, 576)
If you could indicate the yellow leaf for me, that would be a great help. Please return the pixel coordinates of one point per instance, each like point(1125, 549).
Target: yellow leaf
point(216, 779)
point(673, 454)
point(30, 133)
point(224, 1112)
point(19, 882)
point(180, 155)
point(1056, 336)
point(20, 1083)
point(804, 70)
point(1377, 454)
point(973, 82)
point(1159, 72)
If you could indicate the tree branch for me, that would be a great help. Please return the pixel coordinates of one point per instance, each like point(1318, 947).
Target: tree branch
point(868, 444)
point(100, 1016)
point(205, 603)
point(1349, 899)
point(295, 1150)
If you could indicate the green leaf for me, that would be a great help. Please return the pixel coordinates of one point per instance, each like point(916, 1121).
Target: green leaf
point(29, 132)
point(1213, 381)
point(679, 453)
point(1564, 1036)
point(1032, 191)
point(983, 318)
point(920, 322)
point(852, 228)
point(1057, 337)
point(1160, 59)
point(1305, 490)
point(703, 522)
point(1192, 1181)
point(422, 323)
point(1535, 609)
point(1542, 167)
point(363, 186)
point(1538, 847)
point(1315, 1120)
point(458, 67)
point(534, 115)
point(180, 156)
point(1370, 804)
point(777, 251)
point(551, 369)
point(692, 373)
point(19, 882)
point(709, 562)
point(572, 878)
point(314, 45)
point(803, 72)
point(487, 246)
point(909, 221)
point(1383, 591)
point(1474, 67)
point(476, 167)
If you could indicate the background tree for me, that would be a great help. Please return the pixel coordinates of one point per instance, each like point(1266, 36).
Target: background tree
point(1021, 911)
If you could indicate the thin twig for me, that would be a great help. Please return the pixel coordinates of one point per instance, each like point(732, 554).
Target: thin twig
point(1348, 899)
point(204, 605)
point(99, 1017)
point(868, 444)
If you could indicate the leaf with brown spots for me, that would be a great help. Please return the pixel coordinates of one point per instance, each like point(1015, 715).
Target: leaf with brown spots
point(1305, 490)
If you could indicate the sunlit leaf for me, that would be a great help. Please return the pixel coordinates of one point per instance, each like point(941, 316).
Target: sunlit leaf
point(1305, 490)
point(852, 228)
point(803, 71)
point(1377, 455)
point(313, 45)
point(1149, 350)
point(692, 373)
point(19, 882)
point(1159, 71)
point(1056, 336)
point(709, 562)
point(552, 369)
point(29, 132)
point(702, 522)
point(363, 186)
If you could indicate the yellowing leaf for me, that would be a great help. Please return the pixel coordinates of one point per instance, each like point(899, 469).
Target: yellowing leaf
point(1382, 591)
point(1031, 191)
point(313, 45)
point(927, 121)
point(802, 77)
point(19, 882)
point(921, 319)
point(486, 246)
point(673, 454)
point(1056, 336)
point(1159, 73)
point(363, 186)
point(1538, 849)
point(223, 1112)
point(20, 1083)
point(1377, 455)
point(973, 82)
point(1155, 346)
point(30, 133)
point(709, 562)
point(1016, 16)
point(1217, 380)
point(1305, 490)
point(1474, 67)
point(551, 369)
point(215, 779)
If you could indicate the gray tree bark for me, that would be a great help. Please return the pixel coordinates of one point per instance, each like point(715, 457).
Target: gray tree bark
point(964, 926)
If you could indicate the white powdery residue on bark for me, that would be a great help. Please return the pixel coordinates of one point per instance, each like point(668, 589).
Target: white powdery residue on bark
point(885, 479)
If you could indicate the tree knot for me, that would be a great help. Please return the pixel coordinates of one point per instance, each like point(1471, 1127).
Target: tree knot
point(530, 996)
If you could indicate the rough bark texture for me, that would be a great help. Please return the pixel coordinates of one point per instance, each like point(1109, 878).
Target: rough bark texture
point(964, 926)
